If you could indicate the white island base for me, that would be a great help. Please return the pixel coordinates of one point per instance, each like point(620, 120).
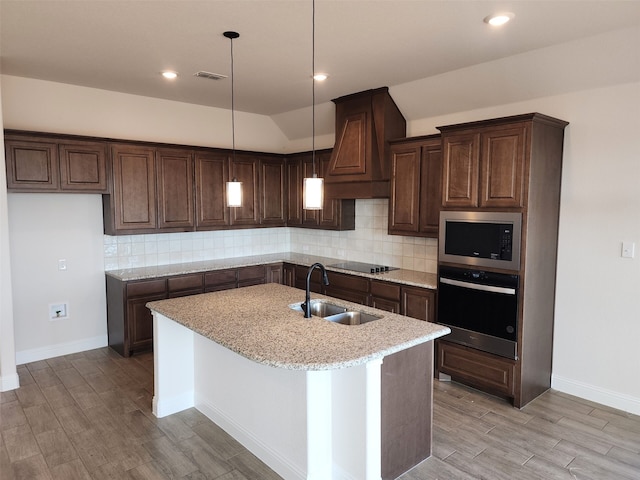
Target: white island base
point(303, 424)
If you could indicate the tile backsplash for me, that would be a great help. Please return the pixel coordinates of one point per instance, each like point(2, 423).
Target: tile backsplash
point(369, 242)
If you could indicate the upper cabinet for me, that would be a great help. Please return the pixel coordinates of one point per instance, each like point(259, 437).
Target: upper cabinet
point(486, 163)
point(131, 208)
point(174, 175)
point(244, 168)
point(359, 164)
point(416, 171)
point(273, 198)
point(211, 174)
point(55, 163)
point(336, 214)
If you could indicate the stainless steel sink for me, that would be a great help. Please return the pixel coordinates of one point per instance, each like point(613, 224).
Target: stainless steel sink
point(352, 318)
point(337, 314)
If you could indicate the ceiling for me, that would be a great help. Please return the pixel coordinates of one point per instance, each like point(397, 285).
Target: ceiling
point(124, 45)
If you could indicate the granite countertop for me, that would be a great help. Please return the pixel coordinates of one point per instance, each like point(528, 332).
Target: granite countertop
point(258, 323)
point(405, 277)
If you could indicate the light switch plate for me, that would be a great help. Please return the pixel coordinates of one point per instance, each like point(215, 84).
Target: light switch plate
point(628, 249)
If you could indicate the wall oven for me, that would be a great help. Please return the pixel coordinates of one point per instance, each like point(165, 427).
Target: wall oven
point(481, 239)
point(481, 308)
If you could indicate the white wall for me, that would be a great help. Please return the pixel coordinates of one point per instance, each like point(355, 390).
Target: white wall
point(597, 310)
point(8, 372)
point(45, 228)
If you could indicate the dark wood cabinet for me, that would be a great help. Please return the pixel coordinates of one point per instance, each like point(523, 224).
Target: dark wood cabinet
point(211, 174)
point(352, 288)
point(335, 214)
point(386, 296)
point(273, 198)
point(83, 167)
point(510, 164)
point(275, 273)
point(50, 163)
point(365, 122)
point(220, 280)
point(416, 171)
point(488, 372)
point(315, 283)
point(131, 208)
point(183, 285)
point(129, 321)
point(483, 167)
point(174, 176)
point(289, 275)
point(419, 303)
point(254, 275)
point(245, 169)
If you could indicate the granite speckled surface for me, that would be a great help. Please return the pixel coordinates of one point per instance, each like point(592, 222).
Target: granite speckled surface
point(258, 323)
point(405, 277)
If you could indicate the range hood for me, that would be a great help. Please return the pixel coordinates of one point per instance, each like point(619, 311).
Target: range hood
point(359, 165)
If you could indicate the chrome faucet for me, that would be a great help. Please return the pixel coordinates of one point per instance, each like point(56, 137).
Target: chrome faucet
point(306, 306)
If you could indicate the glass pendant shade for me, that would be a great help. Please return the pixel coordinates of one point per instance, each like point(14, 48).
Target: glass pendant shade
point(313, 193)
point(234, 193)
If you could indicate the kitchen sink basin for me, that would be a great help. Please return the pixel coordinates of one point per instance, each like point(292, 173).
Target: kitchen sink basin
point(337, 314)
point(352, 318)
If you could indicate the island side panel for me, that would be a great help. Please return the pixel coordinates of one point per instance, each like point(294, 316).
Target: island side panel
point(407, 409)
point(173, 389)
point(262, 407)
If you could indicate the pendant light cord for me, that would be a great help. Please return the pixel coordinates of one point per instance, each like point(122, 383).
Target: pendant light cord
point(313, 86)
point(233, 110)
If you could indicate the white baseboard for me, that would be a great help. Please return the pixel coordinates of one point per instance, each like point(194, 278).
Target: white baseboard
point(606, 397)
point(273, 459)
point(59, 349)
point(9, 382)
point(169, 406)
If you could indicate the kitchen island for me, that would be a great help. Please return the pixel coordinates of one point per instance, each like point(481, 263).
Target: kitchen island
point(311, 398)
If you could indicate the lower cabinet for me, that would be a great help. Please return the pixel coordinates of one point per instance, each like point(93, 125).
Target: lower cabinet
point(386, 296)
point(488, 372)
point(129, 321)
point(419, 303)
point(348, 287)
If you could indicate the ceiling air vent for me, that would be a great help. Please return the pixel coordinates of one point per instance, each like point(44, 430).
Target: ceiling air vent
point(209, 75)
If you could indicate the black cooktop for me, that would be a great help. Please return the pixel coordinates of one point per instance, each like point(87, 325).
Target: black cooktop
point(363, 267)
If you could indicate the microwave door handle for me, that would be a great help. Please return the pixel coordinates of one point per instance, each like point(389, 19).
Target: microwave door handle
point(475, 286)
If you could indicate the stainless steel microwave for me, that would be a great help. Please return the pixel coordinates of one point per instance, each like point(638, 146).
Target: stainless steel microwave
point(483, 239)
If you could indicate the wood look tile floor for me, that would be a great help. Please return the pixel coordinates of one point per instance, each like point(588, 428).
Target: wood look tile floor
point(88, 416)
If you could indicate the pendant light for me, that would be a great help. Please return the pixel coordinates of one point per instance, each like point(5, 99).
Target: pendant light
point(313, 188)
point(234, 187)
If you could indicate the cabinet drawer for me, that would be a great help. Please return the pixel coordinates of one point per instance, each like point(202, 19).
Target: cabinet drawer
point(385, 290)
point(219, 277)
point(480, 369)
point(149, 287)
point(185, 282)
point(351, 282)
point(251, 273)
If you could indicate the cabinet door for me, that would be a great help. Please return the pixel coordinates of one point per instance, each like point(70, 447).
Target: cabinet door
point(275, 273)
point(294, 190)
point(211, 172)
point(385, 296)
point(430, 187)
point(352, 288)
point(31, 165)
point(289, 275)
point(330, 214)
point(174, 170)
point(310, 217)
point(255, 275)
point(272, 192)
point(134, 188)
point(460, 170)
point(83, 167)
point(139, 320)
point(404, 203)
point(502, 165)
point(418, 303)
point(245, 169)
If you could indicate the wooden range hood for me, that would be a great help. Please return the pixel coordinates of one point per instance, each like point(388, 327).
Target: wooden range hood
point(359, 165)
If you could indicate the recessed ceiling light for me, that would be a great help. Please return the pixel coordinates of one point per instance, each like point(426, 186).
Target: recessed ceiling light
point(168, 74)
point(320, 77)
point(498, 19)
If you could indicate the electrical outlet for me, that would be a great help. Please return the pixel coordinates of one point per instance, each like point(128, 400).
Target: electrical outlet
point(58, 311)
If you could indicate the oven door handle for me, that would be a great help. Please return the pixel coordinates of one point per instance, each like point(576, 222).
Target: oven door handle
point(475, 286)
